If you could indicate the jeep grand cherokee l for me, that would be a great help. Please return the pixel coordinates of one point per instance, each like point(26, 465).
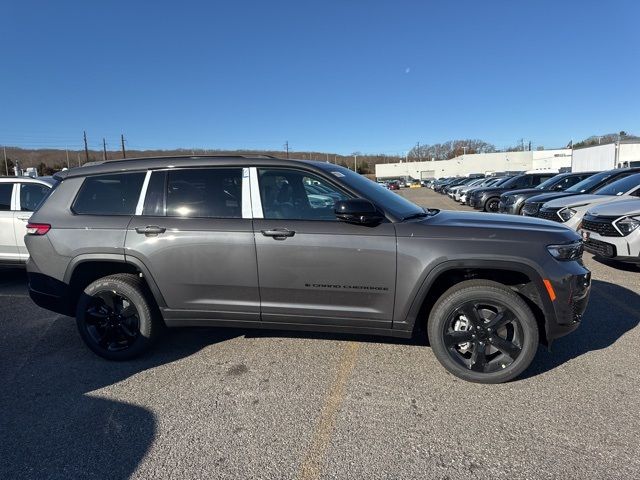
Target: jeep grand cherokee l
point(131, 246)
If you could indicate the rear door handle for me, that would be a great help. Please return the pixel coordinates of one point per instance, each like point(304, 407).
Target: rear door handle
point(278, 233)
point(151, 230)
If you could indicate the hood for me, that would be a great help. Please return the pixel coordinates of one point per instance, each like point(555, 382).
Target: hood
point(547, 197)
point(496, 222)
point(576, 200)
point(617, 209)
point(523, 191)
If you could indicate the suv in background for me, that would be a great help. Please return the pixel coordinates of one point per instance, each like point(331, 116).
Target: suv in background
point(19, 197)
point(590, 184)
point(611, 230)
point(133, 245)
point(513, 201)
point(488, 199)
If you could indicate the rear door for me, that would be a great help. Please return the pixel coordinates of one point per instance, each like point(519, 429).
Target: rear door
point(29, 195)
point(194, 234)
point(8, 244)
point(314, 269)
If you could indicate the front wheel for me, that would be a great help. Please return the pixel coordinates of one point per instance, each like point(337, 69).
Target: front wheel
point(116, 318)
point(482, 331)
point(492, 205)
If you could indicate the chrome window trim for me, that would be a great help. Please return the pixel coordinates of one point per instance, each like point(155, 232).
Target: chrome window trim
point(143, 193)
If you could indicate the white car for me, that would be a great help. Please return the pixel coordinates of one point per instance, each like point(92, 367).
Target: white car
point(19, 197)
point(570, 210)
point(612, 230)
point(457, 191)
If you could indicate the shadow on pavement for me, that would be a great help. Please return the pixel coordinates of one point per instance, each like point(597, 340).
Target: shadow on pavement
point(53, 426)
point(622, 266)
point(613, 311)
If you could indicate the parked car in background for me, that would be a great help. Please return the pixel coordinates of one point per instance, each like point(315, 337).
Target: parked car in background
point(458, 181)
point(393, 185)
point(488, 198)
point(451, 191)
point(416, 184)
point(612, 230)
point(440, 184)
point(512, 201)
point(590, 184)
point(488, 182)
point(570, 210)
point(19, 197)
point(455, 193)
point(129, 247)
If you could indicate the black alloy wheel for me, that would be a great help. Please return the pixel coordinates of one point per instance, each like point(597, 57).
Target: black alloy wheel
point(484, 337)
point(492, 205)
point(112, 321)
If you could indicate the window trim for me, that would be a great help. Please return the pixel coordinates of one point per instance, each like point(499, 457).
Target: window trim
point(256, 206)
point(143, 194)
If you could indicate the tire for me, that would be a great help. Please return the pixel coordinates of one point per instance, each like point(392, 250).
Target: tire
point(121, 328)
point(458, 346)
point(491, 205)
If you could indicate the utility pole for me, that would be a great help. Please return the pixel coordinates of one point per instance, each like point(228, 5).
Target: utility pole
point(464, 150)
point(124, 153)
point(355, 163)
point(86, 149)
point(522, 142)
point(419, 154)
point(104, 149)
point(286, 147)
point(67, 150)
point(6, 164)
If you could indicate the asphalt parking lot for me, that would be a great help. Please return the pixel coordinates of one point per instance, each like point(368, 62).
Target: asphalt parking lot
point(236, 404)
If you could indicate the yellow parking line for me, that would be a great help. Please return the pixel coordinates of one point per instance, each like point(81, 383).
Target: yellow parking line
point(311, 466)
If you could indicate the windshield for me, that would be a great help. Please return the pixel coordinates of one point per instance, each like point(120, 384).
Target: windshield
point(393, 203)
point(589, 183)
point(620, 187)
point(550, 182)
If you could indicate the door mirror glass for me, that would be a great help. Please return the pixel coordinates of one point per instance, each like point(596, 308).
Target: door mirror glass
point(358, 211)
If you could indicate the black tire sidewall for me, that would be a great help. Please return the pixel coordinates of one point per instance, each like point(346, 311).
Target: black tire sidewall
point(129, 288)
point(482, 291)
point(489, 202)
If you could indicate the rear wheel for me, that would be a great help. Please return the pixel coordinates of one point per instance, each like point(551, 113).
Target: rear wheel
point(483, 332)
point(115, 317)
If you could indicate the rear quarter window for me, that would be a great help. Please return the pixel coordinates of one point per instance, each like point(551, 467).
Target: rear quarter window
point(114, 194)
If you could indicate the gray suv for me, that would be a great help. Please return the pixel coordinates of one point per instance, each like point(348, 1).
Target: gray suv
point(131, 246)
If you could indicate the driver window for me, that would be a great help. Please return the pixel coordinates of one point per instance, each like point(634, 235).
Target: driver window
point(297, 195)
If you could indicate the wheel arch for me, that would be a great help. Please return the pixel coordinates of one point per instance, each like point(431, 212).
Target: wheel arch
point(523, 278)
point(86, 268)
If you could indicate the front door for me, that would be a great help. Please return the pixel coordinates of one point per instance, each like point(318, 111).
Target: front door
point(312, 268)
point(194, 234)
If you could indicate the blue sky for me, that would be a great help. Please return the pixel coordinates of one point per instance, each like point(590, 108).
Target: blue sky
point(337, 76)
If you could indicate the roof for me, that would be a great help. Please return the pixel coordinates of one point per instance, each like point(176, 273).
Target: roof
point(25, 179)
point(143, 164)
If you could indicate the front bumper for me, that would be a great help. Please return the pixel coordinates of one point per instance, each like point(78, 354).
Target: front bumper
point(572, 297)
point(511, 208)
point(624, 249)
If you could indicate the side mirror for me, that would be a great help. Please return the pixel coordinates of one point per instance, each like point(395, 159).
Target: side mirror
point(358, 211)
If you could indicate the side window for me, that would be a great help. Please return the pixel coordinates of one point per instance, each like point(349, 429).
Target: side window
point(205, 192)
point(523, 182)
point(297, 195)
point(31, 194)
point(5, 196)
point(114, 194)
point(571, 181)
point(155, 200)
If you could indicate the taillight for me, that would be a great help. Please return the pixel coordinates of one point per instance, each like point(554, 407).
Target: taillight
point(38, 228)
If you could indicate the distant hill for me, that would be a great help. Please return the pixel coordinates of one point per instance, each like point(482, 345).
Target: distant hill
point(48, 160)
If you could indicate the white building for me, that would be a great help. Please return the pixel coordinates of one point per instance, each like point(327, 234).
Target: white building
point(625, 153)
point(478, 163)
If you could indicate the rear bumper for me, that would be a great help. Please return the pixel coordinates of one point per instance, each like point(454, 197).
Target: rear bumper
point(49, 293)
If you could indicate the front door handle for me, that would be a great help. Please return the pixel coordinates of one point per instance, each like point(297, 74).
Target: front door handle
point(24, 219)
point(151, 230)
point(278, 233)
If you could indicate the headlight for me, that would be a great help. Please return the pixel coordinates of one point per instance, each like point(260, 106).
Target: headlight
point(567, 251)
point(566, 213)
point(626, 225)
